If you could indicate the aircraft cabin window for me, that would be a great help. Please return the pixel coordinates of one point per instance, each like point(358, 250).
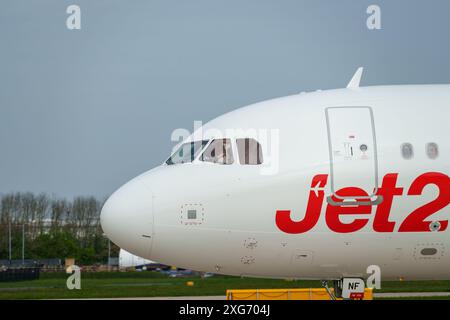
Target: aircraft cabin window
point(407, 151)
point(250, 151)
point(219, 151)
point(187, 152)
point(432, 150)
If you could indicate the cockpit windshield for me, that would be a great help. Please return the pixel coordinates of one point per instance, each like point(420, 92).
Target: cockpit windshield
point(219, 151)
point(187, 152)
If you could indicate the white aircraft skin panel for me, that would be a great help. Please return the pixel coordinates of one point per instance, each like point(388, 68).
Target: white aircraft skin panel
point(128, 260)
point(236, 232)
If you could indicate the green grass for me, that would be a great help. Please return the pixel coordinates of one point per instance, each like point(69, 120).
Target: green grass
point(152, 284)
point(416, 298)
point(415, 286)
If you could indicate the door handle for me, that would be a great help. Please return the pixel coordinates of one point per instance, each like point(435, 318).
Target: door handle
point(378, 200)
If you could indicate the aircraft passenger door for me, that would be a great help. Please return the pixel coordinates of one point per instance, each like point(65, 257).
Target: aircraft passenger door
point(353, 154)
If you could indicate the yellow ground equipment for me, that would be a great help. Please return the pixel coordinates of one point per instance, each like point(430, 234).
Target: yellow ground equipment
point(287, 294)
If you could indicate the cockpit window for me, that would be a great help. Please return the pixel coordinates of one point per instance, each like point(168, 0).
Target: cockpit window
point(250, 151)
point(187, 152)
point(219, 151)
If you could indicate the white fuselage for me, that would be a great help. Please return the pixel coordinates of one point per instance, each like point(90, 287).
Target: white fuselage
point(273, 220)
point(129, 260)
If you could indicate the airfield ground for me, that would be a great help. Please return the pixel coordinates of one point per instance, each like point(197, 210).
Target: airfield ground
point(153, 284)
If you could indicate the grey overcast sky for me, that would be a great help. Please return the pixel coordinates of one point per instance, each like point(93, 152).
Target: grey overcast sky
point(83, 111)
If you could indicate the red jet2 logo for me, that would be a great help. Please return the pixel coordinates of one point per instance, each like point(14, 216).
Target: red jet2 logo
point(414, 222)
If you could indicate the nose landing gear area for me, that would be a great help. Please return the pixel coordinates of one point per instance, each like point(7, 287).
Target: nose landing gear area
point(348, 289)
point(344, 289)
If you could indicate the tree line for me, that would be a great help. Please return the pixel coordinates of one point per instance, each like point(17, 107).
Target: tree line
point(53, 227)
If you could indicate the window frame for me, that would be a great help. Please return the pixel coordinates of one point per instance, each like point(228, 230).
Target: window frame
point(402, 149)
point(428, 145)
point(260, 154)
point(199, 152)
point(211, 141)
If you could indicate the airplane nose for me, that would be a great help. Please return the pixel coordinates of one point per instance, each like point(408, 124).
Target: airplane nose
point(127, 218)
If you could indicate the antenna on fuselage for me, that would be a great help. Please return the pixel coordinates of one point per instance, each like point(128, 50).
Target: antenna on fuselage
point(356, 80)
